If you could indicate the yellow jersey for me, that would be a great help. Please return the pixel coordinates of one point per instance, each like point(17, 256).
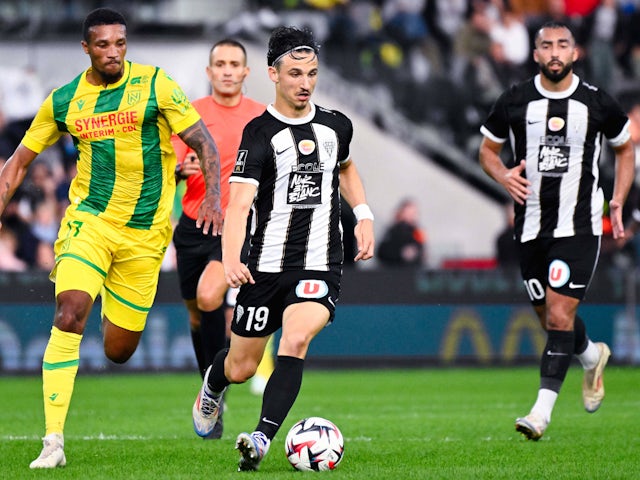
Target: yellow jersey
point(123, 134)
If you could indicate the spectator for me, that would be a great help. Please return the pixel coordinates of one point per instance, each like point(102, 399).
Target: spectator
point(404, 243)
point(509, 48)
point(40, 185)
point(601, 47)
point(471, 67)
point(404, 22)
point(20, 96)
point(13, 219)
point(9, 261)
point(444, 20)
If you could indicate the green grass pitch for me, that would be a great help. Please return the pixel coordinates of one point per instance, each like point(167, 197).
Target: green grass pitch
point(452, 423)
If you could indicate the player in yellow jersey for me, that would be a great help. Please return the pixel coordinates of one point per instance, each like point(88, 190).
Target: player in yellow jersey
point(115, 232)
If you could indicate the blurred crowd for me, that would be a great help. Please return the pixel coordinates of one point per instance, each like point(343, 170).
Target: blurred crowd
point(443, 62)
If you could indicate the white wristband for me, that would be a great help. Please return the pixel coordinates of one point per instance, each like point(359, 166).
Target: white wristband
point(363, 212)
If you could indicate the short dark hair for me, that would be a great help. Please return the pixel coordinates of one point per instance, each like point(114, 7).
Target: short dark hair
point(230, 42)
point(101, 16)
point(286, 40)
point(552, 25)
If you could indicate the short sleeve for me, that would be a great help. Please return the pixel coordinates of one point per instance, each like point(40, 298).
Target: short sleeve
point(174, 104)
point(43, 131)
point(496, 126)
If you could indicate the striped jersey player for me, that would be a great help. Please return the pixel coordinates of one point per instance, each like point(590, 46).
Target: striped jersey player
point(557, 125)
point(292, 166)
point(297, 208)
point(560, 135)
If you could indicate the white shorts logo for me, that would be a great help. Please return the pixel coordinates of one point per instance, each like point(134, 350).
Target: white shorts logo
point(311, 289)
point(559, 273)
point(231, 296)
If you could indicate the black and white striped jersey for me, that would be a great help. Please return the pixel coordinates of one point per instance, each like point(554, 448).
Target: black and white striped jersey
point(295, 165)
point(560, 136)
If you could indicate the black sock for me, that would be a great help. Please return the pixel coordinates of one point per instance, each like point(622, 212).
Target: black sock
point(196, 339)
point(581, 340)
point(217, 380)
point(212, 327)
point(280, 394)
point(556, 359)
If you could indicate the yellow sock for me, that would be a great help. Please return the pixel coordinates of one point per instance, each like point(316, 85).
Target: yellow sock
point(59, 368)
point(265, 368)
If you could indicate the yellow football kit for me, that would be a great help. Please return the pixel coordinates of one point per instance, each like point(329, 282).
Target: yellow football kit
point(115, 232)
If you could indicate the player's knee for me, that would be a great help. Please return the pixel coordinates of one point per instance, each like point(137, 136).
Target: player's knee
point(558, 319)
point(69, 321)
point(295, 344)
point(240, 373)
point(118, 353)
point(209, 303)
point(71, 315)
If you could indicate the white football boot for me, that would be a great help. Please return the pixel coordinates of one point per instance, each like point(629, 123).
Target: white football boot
point(52, 454)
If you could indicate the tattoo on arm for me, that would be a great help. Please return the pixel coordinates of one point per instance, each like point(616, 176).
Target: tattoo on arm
point(5, 196)
point(200, 140)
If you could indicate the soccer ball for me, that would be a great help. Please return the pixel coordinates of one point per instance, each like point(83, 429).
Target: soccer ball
point(314, 444)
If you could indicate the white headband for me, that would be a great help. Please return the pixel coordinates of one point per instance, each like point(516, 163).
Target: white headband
point(295, 49)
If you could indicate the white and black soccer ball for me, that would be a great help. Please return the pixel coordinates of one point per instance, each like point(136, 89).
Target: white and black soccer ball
point(314, 444)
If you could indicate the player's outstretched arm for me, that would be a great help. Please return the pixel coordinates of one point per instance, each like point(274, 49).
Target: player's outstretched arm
point(200, 140)
point(241, 197)
point(625, 174)
point(13, 173)
point(352, 190)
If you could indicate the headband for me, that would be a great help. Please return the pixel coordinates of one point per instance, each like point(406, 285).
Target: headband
point(290, 51)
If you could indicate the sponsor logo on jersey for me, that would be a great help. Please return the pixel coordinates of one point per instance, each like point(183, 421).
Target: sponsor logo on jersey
point(559, 140)
point(304, 189)
point(308, 167)
point(141, 80)
point(106, 124)
point(555, 124)
point(306, 147)
point(553, 160)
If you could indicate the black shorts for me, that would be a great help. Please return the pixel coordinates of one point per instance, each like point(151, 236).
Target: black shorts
point(259, 307)
point(194, 251)
point(566, 265)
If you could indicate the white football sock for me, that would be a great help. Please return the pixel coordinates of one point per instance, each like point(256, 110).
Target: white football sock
point(589, 358)
point(545, 403)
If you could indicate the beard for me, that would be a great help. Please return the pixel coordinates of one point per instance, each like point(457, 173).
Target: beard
point(558, 76)
point(109, 78)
